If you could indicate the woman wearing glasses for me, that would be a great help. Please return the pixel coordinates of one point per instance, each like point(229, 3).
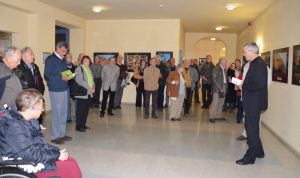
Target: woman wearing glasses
point(20, 139)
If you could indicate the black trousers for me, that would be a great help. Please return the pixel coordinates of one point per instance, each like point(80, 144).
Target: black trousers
point(82, 110)
point(161, 96)
point(188, 100)
point(206, 94)
point(111, 95)
point(252, 120)
point(147, 101)
point(98, 84)
point(196, 95)
point(140, 96)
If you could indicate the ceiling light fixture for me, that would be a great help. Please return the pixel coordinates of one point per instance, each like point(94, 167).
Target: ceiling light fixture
point(161, 6)
point(219, 28)
point(231, 6)
point(213, 39)
point(97, 9)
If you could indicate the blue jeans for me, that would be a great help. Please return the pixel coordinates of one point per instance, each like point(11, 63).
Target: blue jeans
point(59, 113)
point(69, 117)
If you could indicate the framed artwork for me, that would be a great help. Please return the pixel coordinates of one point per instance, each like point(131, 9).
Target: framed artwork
point(131, 59)
point(164, 55)
point(280, 65)
point(45, 55)
point(296, 65)
point(266, 57)
point(106, 55)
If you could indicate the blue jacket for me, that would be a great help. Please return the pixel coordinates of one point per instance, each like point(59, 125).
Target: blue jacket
point(53, 68)
point(19, 138)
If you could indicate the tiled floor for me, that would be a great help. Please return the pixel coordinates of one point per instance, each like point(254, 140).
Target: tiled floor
point(128, 146)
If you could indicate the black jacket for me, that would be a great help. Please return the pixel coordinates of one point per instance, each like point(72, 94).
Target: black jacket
point(164, 73)
point(30, 80)
point(255, 87)
point(19, 138)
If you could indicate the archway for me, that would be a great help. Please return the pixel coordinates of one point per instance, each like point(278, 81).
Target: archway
point(210, 45)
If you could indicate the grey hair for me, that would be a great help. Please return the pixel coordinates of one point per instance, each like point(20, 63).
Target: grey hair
point(222, 59)
point(61, 44)
point(112, 58)
point(10, 51)
point(252, 47)
point(25, 50)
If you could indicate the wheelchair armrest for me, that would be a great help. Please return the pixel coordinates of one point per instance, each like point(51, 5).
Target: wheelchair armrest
point(16, 163)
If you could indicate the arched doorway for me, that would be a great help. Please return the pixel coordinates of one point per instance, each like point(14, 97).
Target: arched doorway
point(210, 45)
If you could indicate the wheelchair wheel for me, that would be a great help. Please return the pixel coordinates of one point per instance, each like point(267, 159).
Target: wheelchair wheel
point(13, 175)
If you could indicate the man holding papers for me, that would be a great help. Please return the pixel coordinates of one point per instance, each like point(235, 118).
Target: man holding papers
point(255, 100)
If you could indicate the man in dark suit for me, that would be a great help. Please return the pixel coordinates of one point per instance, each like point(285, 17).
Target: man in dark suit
point(255, 100)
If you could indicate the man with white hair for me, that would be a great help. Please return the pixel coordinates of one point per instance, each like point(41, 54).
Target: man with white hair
point(10, 85)
point(255, 100)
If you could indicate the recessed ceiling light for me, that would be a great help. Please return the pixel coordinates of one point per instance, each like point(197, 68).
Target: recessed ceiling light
point(97, 9)
point(219, 28)
point(230, 6)
point(161, 6)
point(213, 39)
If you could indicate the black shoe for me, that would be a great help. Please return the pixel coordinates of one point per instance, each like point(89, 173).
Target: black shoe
point(101, 114)
point(241, 138)
point(204, 107)
point(146, 116)
point(212, 120)
point(197, 102)
point(80, 129)
point(86, 127)
point(173, 119)
point(166, 106)
point(119, 107)
point(239, 122)
point(178, 119)
point(260, 156)
point(69, 121)
point(221, 119)
point(244, 162)
point(58, 141)
point(66, 138)
point(110, 113)
point(186, 114)
point(154, 116)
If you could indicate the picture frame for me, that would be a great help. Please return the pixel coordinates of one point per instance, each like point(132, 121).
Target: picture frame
point(45, 55)
point(106, 55)
point(266, 56)
point(131, 59)
point(280, 65)
point(164, 55)
point(296, 65)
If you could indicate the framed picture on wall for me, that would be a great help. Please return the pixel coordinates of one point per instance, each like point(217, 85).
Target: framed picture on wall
point(45, 55)
point(106, 55)
point(296, 65)
point(132, 59)
point(164, 55)
point(267, 57)
point(280, 65)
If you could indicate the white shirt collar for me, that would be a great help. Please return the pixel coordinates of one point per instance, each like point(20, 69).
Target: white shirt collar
point(58, 55)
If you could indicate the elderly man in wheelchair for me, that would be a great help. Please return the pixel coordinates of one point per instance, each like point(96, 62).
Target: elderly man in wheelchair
point(23, 150)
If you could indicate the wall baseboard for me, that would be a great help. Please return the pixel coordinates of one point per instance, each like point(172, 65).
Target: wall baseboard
point(281, 140)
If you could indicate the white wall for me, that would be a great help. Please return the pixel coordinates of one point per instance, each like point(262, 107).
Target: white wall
point(191, 40)
point(132, 36)
point(279, 27)
point(33, 24)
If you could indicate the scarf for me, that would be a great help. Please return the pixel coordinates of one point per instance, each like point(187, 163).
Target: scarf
point(187, 78)
point(89, 76)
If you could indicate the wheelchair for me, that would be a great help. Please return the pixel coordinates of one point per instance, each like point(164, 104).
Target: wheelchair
point(10, 169)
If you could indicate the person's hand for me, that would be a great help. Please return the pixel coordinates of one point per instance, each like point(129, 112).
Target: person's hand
point(223, 90)
point(204, 78)
point(63, 155)
point(236, 74)
point(65, 78)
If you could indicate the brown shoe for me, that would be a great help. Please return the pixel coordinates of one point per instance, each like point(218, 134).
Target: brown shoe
point(241, 138)
point(66, 138)
point(58, 141)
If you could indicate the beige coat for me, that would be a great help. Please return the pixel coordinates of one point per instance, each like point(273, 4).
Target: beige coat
point(151, 76)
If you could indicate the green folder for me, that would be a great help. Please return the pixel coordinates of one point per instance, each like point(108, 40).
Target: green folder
point(68, 74)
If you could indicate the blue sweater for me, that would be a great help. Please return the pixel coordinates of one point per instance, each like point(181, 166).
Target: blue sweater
point(53, 68)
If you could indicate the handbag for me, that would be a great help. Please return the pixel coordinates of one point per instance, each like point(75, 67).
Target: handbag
point(134, 80)
point(75, 89)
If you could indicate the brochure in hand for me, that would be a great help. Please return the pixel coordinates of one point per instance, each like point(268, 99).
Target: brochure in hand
point(68, 74)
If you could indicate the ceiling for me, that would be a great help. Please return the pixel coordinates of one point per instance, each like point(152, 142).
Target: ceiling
point(196, 15)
